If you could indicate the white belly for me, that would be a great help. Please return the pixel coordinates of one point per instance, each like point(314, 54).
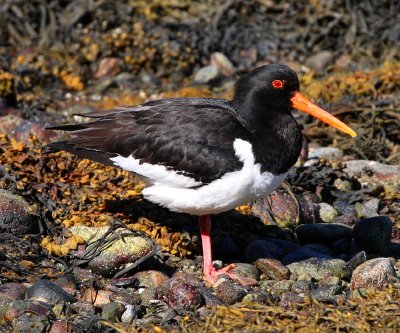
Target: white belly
point(232, 190)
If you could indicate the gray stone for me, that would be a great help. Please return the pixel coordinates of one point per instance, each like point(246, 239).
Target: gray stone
point(12, 291)
point(375, 273)
point(124, 248)
point(326, 153)
point(323, 233)
point(228, 292)
point(245, 270)
point(373, 235)
point(327, 213)
point(32, 323)
point(224, 65)
point(315, 268)
point(372, 172)
point(48, 292)
point(293, 298)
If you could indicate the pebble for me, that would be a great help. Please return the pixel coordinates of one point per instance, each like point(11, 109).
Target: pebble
point(48, 292)
point(130, 314)
point(367, 209)
point(358, 259)
point(327, 213)
point(206, 74)
point(97, 297)
point(327, 293)
point(323, 233)
point(67, 282)
point(150, 279)
point(30, 322)
point(108, 67)
point(326, 153)
point(84, 308)
point(316, 268)
point(263, 249)
point(126, 249)
point(12, 291)
point(375, 273)
point(14, 214)
point(291, 297)
point(320, 60)
point(373, 235)
point(228, 292)
point(272, 269)
point(259, 297)
point(277, 288)
point(62, 326)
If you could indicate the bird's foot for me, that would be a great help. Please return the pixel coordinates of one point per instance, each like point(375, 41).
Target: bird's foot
point(211, 274)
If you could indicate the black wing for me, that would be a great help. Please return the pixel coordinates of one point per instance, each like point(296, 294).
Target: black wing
point(190, 135)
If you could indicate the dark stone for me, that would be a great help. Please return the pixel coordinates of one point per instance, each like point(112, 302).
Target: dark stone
point(291, 297)
point(355, 261)
point(112, 311)
point(227, 248)
point(373, 235)
point(285, 245)
point(12, 291)
point(323, 233)
point(228, 292)
point(320, 248)
point(32, 323)
point(326, 293)
point(183, 295)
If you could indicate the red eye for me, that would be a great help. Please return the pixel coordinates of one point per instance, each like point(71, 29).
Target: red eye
point(277, 84)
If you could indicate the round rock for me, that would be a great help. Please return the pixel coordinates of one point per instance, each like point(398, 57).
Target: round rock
point(375, 273)
point(263, 249)
point(315, 268)
point(48, 292)
point(272, 269)
point(373, 235)
point(12, 291)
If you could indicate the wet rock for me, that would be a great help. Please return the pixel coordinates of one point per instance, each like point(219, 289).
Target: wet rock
point(48, 292)
point(209, 298)
point(112, 311)
point(315, 268)
point(14, 214)
point(285, 245)
point(228, 292)
point(373, 172)
point(342, 246)
point(272, 269)
point(12, 291)
point(246, 271)
point(206, 74)
point(327, 213)
point(326, 293)
point(320, 248)
point(375, 273)
point(183, 295)
point(303, 254)
point(326, 153)
point(322, 233)
point(373, 235)
point(123, 250)
point(367, 209)
point(319, 61)
point(224, 65)
point(395, 249)
point(263, 249)
point(282, 209)
point(32, 323)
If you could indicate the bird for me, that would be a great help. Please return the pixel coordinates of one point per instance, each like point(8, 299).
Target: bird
point(204, 156)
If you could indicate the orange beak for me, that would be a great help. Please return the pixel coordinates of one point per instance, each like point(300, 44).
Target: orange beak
point(302, 103)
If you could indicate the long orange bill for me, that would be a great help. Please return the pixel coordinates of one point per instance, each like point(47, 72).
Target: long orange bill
point(302, 103)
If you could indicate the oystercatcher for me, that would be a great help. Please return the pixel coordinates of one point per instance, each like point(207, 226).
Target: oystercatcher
point(204, 156)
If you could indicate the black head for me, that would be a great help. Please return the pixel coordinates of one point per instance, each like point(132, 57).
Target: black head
point(269, 88)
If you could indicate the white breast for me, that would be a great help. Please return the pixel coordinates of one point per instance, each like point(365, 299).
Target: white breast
point(173, 191)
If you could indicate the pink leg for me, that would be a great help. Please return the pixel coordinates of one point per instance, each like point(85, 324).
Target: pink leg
point(210, 273)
